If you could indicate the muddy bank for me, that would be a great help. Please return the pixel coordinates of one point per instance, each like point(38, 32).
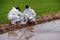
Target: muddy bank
point(40, 19)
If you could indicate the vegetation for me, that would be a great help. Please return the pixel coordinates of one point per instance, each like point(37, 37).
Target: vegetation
point(41, 7)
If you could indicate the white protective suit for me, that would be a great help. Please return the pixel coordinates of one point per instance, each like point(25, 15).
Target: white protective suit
point(13, 15)
point(29, 14)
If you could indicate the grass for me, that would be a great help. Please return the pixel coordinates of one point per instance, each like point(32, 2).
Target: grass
point(40, 6)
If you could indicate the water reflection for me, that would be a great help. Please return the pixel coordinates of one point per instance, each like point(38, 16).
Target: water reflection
point(22, 34)
point(49, 28)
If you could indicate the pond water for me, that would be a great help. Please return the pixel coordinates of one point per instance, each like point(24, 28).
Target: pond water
point(44, 31)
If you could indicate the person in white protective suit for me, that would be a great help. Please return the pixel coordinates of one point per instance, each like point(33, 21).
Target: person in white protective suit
point(14, 15)
point(29, 13)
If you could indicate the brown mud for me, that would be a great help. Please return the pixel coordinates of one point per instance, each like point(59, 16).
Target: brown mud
point(38, 20)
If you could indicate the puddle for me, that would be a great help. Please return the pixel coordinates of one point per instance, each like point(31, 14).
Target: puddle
point(45, 31)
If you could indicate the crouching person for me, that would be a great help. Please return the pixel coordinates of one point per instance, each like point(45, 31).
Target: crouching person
point(29, 14)
point(13, 15)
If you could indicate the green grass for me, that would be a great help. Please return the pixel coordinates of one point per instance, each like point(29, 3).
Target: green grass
point(40, 6)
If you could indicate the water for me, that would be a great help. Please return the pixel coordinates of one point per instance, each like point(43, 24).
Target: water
point(44, 31)
point(47, 31)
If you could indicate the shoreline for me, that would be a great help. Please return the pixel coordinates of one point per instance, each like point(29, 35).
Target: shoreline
point(38, 20)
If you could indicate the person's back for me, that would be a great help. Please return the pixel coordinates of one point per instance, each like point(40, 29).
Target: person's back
point(13, 15)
